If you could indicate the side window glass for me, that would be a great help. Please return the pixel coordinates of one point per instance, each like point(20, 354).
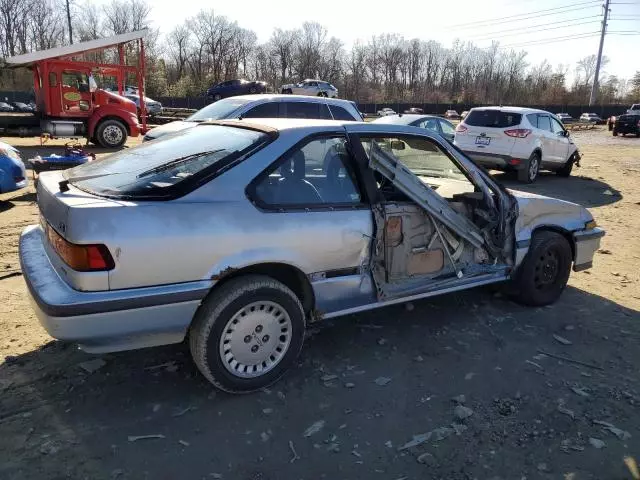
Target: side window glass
point(302, 110)
point(265, 110)
point(544, 123)
point(557, 128)
point(315, 174)
point(340, 113)
point(430, 124)
point(533, 119)
point(446, 127)
point(426, 160)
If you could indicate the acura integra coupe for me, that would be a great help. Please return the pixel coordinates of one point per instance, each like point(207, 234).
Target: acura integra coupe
point(238, 234)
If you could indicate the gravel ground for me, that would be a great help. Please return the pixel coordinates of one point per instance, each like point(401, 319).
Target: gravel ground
point(464, 386)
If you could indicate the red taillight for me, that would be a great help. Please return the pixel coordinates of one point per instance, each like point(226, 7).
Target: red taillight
point(461, 128)
point(515, 161)
point(518, 132)
point(82, 258)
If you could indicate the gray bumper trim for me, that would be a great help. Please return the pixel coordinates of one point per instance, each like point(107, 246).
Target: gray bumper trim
point(56, 298)
point(585, 235)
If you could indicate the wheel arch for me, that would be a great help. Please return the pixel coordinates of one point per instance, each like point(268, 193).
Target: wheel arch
point(112, 117)
point(287, 274)
point(560, 230)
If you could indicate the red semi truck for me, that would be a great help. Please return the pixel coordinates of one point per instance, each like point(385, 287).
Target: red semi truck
point(69, 102)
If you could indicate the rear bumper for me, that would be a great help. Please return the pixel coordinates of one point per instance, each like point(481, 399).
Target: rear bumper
point(105, 321)
point(495, 161)
point(586, 243)
point(626, 128)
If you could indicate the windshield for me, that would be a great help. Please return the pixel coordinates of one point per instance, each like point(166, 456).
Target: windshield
point(492, 119)
point(152, 170)
point(218, 110)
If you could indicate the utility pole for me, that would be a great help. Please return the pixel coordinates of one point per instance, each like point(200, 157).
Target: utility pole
point(69, 22)
point(594, 88)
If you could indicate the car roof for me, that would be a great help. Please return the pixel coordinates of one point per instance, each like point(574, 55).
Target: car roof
point(523, 110)
point(270, 97)
point(404, 119)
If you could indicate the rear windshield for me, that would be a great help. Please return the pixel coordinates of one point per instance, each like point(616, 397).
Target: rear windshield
point(492, 119)
point(218, 110)
point(162, 168)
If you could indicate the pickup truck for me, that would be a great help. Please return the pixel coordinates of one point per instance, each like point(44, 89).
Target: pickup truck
point(635, 108)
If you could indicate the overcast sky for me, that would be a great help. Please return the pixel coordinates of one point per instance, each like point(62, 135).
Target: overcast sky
point(351, 20)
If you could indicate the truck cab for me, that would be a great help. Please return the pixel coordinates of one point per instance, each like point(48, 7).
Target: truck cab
point(72, 105)
point(69, 101)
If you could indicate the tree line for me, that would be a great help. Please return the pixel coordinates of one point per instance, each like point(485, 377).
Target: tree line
point(209, 48)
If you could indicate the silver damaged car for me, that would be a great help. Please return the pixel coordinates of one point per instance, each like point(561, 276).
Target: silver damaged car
point(238, 234)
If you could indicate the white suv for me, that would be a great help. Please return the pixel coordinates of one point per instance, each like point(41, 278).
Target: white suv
point(515, 138)
point(314, 88)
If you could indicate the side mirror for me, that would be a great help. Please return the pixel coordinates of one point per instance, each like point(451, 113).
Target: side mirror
point(397, 145)
point(565, 133)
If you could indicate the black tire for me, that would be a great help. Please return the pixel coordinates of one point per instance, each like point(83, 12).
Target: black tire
point(252, 90)
point(544, 272)
point(615, 134)
point(287, 91)
point(213, 318)
point(111, 134)
point(322, 94)
point(565, 171)
point(527, 174)
point(216, 97)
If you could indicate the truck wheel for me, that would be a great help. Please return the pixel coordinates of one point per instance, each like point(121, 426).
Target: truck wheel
point(111, 134)
point(545, 270)
point(247, 333)
point(565, 171)
point(530, 172)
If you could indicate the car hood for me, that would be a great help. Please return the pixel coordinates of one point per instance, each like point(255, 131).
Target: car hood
point(6, 146)
point(169, 128)
point(537, 210)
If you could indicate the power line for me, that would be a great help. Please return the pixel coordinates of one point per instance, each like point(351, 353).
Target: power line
point(554, 39)
point(537, 29)
point(518, 29)
point(529, 15)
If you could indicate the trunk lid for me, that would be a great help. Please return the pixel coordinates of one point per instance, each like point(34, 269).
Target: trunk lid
point(485, 131)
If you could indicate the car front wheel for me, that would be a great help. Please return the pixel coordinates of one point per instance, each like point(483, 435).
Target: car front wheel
point(565, 171)
point(545, 270)
point(247, 333)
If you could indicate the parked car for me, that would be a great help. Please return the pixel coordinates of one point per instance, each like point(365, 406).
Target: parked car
point(264, 106)
point(383, 112)
point(314, 88)
point(515, 138)
point(436, 124)
point(635, 108)
point(452, 114)
point(591, 117)
point(564, 117)
point(627, 124)
point(464, 114)
point(231, 88)
point(396, 214)
point(5, 107)
point(153, 107)
point(414, 110)
point(22, 107)
point(13, 175)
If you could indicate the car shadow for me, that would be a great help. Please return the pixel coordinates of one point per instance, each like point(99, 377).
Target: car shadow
point(366, 379)
point(586, 191)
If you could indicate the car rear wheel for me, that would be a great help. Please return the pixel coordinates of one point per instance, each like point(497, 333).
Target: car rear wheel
point(545, 270)
point(216, 97)
point(531, 170)
point(247, 333)
point(111, 134)
point(287, 91)
point(252, 90)
point(322, 94)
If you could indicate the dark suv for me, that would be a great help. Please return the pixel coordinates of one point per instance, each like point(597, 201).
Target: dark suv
point(627, 123)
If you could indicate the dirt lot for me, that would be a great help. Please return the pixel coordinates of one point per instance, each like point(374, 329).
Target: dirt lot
point(528, 415)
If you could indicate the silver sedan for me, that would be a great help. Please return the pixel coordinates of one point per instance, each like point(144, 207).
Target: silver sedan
point(238, 234)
